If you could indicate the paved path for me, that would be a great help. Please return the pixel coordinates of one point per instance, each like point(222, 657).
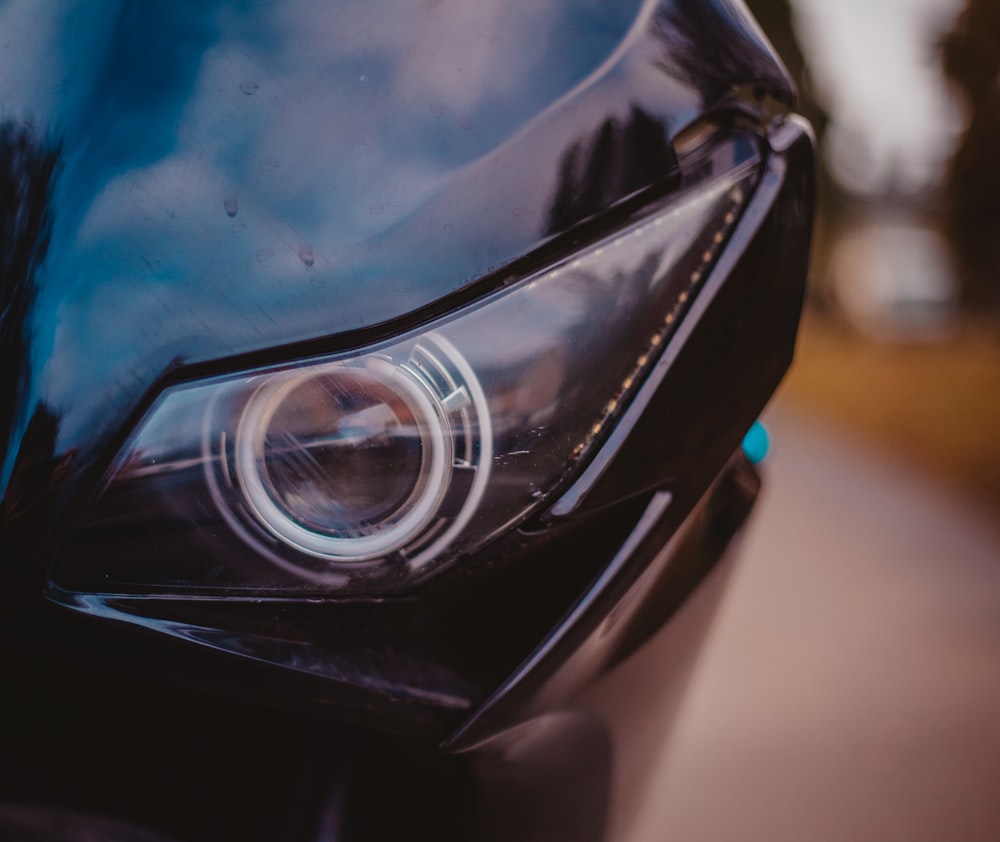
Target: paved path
point(849, 688)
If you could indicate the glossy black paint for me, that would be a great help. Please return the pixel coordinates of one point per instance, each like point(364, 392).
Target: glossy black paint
point(564, 750)
point(260, 176)
point(210, 185)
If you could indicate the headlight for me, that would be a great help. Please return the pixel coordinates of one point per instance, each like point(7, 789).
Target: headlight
point(368, 470)
point(354, 460)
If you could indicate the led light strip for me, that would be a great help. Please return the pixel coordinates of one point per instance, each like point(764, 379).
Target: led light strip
point(658, 339)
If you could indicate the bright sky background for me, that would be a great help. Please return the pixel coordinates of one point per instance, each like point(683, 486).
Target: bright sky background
point(876, 65)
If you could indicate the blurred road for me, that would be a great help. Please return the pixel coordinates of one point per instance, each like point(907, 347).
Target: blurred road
point(849, 688)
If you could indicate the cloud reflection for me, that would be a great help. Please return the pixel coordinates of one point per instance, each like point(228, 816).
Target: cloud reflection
point(244, 163)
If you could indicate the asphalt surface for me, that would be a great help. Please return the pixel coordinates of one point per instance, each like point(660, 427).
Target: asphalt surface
point(849, 685)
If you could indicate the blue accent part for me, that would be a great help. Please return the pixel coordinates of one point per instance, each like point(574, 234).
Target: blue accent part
point(756, 443)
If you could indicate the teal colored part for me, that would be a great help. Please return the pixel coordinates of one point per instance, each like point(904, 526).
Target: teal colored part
point(756, 443)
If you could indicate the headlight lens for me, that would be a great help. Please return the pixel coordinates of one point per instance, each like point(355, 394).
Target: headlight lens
point(353, 460)
point(348, 462)
point(364, 472)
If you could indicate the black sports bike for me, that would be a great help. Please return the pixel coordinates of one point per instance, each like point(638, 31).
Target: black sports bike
point(373, 381)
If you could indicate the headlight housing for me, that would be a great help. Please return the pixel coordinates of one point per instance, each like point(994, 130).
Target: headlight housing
point(366, 471)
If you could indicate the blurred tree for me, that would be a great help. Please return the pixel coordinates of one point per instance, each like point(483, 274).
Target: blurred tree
point(971, 59)
point(777, 20)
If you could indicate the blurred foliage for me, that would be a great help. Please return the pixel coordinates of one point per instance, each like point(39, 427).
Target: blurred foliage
point(935, 404)
point(776, 17)
point(971, 59)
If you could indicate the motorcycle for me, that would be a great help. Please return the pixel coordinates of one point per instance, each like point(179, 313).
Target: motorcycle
point(375, 377)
